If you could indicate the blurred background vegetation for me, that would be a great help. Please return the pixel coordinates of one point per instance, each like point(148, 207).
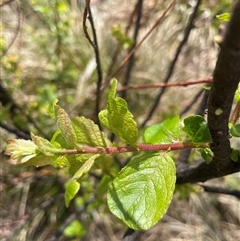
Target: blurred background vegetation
point(45, 55)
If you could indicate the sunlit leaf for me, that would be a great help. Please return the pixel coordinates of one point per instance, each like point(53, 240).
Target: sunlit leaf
point(142, 191)
point(87, 132)
point(74, 229)
point(224, 16)
point(85, 167)
point(118, 119)
point(72, 187)
point(20, 151)
point(65, 126)
point(166, 132)
point(45, 146)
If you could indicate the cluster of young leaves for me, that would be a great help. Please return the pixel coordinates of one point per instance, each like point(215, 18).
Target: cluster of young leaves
point(142, 191)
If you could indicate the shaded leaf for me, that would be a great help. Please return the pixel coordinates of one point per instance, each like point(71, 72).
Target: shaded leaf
point(235, 130)
point(142, 191)
point(206, 154)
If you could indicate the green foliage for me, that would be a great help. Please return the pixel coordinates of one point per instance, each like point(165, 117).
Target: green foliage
point(87, 132)
point(118, 119)
point(75, 230)
point(235, 155)
point(197, 130)
point(142, 191)
point(224, 17)
point(166, 132)
point(121, 37)
point(235, 130)
point(237, 94)
point(72, 187)
point(206, 154)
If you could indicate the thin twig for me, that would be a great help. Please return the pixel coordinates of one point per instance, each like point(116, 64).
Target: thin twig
point(94, 43)
point(17, 132)
point(6, 2)
point(139, 147)
point(124, 61)
point(118, 48)
point(70, 218)
point(220, 190)
point(173, 63)
point(30, 217)
point(193, 101)
point(235, 115)
point(18, 27)
point(130, 63)
point(161, 85)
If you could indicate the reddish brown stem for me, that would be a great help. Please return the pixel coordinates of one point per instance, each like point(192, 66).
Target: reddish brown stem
point(140, 147)
point(158, 85)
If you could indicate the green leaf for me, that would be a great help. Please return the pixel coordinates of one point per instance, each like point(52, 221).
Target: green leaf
point(166, 132)
point(85, 167)
point(72, 188)
point(118, 119)
point(63, 122)
point(224, 16)
point(121, 37)
point(237, 94)
point(75, 229)
point(45, 146)
point(87, 132)
point(65, 126)
point(142, 191)
point(235, 130)
point(235, 155)
point(197, 130)
point(40, 160)
point(206, 154)
point(51, 109)
point(20, 151)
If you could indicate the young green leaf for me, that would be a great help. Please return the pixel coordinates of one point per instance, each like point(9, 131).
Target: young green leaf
point(118, 119)
point(237, 94)
point(20, 151)
point(142, 191)
point(166, 132)
point(65, 126)
point(72, 187)
point(51, 109)
point(63, 122)
point(85, 167)
point(46, 147)
point(197, 130)
point(235, 130)
point(206, 154)
point(224, 16)
point(87, 132)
